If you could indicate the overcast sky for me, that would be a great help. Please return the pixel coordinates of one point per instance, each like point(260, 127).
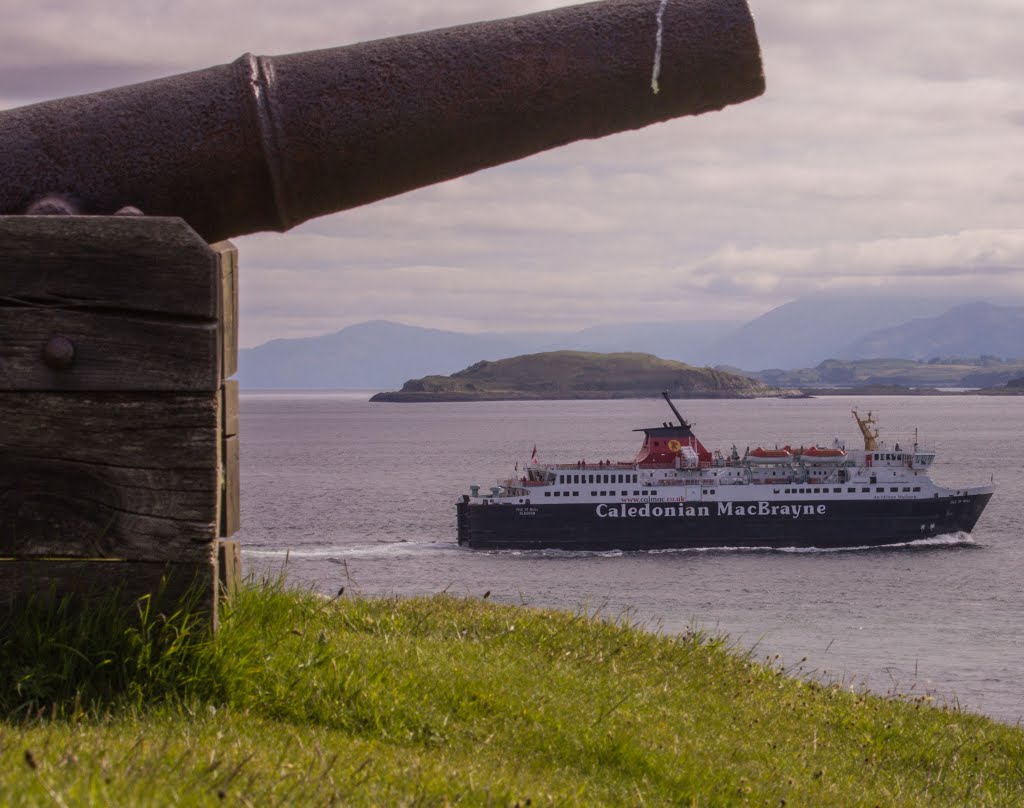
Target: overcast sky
point(885, 152)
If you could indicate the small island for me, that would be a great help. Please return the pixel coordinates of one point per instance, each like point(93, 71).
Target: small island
point(581, 375)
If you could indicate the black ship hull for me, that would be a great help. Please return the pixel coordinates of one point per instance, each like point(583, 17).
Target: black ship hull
point(825, 524)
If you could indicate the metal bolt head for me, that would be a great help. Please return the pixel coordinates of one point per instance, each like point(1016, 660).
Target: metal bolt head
point(59, 352)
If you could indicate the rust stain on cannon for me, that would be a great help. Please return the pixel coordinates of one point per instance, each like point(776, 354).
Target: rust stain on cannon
point(265, 143)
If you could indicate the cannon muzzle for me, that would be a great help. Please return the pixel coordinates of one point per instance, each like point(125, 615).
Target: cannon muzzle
point(265, 143)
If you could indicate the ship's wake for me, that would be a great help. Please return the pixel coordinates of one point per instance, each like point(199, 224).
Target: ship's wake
point(959, 539)
point(338, 552)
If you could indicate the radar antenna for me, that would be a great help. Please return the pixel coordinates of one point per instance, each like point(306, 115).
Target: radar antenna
point(870, 435)
point(682, 421)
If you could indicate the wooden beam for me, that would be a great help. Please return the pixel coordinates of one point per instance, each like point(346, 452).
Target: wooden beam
point(124, 475)
point(108, 303)
point(118, 441)
point(227, 259)
point(140, 264)
point(230, 407)
point(230, 516)
point(229, 567)
point(109, 351)
point(231, 485)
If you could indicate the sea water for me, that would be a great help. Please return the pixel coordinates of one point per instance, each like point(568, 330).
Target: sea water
point(347, 493)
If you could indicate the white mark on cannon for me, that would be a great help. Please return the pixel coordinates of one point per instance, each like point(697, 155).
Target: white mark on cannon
point(657, 47)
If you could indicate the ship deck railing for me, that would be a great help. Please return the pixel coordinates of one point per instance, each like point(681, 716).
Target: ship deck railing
point(621, 465)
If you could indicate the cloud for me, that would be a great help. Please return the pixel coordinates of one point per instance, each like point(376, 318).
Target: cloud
point(968, 261)
point(882, 152)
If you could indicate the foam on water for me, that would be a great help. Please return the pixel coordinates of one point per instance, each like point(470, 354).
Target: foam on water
point(378, 550)
point(947, 540)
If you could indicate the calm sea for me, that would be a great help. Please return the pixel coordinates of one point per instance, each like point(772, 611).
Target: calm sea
point(362, 495)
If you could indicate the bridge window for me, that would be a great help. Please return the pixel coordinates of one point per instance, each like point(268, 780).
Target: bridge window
point(917, 488)
point(575, 493)
point(865, 490)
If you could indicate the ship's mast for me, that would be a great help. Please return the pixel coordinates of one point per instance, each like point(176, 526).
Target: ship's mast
point(870, 435)
point(682, 422)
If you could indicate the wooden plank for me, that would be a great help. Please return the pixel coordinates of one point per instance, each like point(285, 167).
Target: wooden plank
point(230, 516)
point(140, 264)
point(111, 351)
point(228, 461)
point(132, 476)
point(230, 407)
point(229, 567)
point(227, 257)
point(168, 583)
point(133, 303)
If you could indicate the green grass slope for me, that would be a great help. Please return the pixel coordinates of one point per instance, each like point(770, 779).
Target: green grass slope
point(579, 374)
point(445, 701)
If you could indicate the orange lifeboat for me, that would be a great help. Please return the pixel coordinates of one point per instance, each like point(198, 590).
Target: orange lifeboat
point(819, 454)
point(760, 455)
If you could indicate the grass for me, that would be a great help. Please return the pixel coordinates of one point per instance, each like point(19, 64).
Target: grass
point(435, 701)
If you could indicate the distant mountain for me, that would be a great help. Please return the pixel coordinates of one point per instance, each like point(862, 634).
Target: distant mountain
point(381, 354)
point(685, 340)
point(376, 355)
point(967, 330)
point(800, 334)
point(578, 374)
point(809, 330)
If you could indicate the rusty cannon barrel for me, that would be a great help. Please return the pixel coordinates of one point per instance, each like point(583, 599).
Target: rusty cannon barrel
point(265, 143)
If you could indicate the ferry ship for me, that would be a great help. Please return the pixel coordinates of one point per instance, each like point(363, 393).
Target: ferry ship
point(676, 494)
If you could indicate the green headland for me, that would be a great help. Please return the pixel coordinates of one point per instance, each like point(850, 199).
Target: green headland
point(580, 374)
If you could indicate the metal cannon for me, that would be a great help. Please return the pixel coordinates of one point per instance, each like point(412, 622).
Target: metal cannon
point(265, 143)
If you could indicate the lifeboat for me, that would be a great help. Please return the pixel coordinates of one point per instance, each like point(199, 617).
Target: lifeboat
point(819, 454)
point(760, 455)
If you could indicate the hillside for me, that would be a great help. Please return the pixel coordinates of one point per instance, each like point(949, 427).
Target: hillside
point(971, 329)
point(376, 354)
point(578, 374)
point(859, 373)
point(813, 328)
